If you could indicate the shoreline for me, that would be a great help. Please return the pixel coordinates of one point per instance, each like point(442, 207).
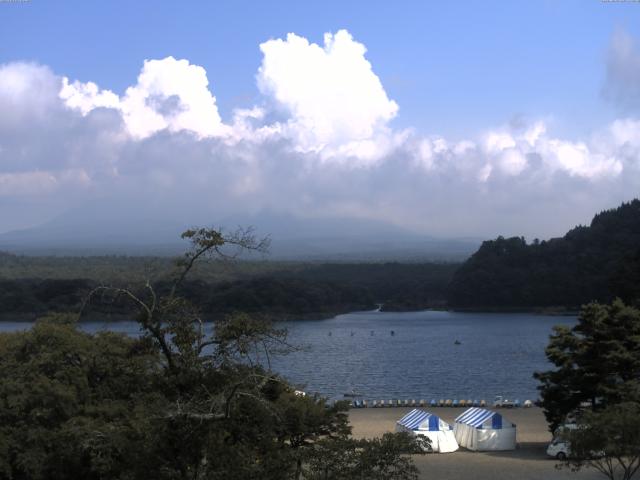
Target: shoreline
point(22, 317)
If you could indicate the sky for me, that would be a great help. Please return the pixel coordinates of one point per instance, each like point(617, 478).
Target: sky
point(457, 119)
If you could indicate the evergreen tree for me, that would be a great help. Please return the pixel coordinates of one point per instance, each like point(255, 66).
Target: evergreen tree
point(597, 362)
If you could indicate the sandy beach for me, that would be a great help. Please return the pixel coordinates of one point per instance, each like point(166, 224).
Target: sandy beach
point(528, 461)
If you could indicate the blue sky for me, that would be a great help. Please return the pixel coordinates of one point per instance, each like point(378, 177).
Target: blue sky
point(453, 67)
point(462, 118)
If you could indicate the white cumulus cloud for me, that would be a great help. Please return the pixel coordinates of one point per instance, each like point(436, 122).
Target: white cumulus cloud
point(332, 96)
point(169, 94)
point(320, 142)
point(87, 96)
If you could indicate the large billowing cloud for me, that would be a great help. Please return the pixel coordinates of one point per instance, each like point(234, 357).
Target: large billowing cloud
point(321, 143)
point(170, 94)
point(335, 101)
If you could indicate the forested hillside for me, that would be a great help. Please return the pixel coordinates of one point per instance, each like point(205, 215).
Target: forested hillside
point(30, 286)
point(595, 262)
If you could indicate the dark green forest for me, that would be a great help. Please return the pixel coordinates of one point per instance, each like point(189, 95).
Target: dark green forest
point(32, 286)
point(590, 263)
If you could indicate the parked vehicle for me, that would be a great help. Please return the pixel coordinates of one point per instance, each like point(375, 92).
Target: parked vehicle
point(559, 449)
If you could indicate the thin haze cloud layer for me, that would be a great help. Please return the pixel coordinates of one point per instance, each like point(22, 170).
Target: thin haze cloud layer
point(320, 143)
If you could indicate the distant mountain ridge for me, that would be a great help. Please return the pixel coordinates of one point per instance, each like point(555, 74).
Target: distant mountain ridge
point(87, 231)
point(595, 262)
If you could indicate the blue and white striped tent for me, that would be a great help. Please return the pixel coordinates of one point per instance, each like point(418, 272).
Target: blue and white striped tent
point(481, 429)
point(477, 417)
point(421, 420)
point(439, 432)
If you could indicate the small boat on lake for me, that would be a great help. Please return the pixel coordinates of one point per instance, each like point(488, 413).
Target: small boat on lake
point(352, 394)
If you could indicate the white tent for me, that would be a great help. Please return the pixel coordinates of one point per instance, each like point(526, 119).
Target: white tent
point(480, 429)
point(439, 432)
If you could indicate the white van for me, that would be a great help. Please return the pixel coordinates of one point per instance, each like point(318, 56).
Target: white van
point(559, 449)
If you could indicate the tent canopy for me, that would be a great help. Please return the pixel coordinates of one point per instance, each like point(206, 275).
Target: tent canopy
point(439, 433)
point(484, 430)
point(421, 420)
point(479, 418)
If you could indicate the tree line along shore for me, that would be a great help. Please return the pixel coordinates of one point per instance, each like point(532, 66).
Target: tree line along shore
point(598, 262)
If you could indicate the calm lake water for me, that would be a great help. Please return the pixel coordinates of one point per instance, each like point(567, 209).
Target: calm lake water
point(497, 354)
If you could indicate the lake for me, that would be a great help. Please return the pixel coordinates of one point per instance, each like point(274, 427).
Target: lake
point(497, 354)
